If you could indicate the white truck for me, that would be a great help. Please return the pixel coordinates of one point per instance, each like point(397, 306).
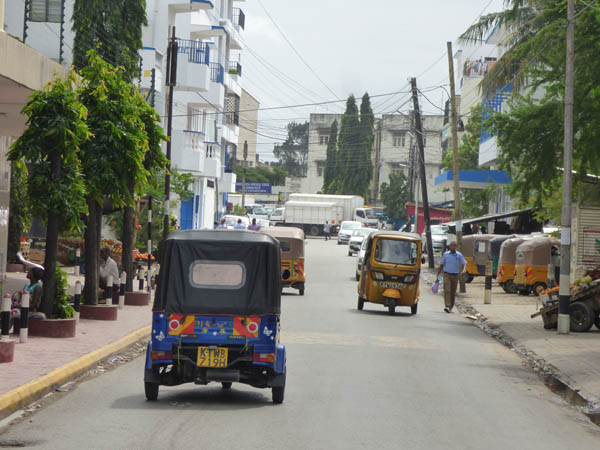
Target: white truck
point(352, 206)
point(308, 216)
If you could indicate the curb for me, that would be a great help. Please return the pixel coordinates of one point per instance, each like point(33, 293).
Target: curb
point(21, 396)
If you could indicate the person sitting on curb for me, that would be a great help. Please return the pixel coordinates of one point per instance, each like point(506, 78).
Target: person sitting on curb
point(34, 288)
point(450, 264)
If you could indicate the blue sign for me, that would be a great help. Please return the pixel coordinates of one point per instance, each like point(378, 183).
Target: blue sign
point(254, 188)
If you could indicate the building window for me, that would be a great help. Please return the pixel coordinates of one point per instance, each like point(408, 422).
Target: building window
point(45, 11)
point(399, 139)
point(323, 139)
point(319, 171)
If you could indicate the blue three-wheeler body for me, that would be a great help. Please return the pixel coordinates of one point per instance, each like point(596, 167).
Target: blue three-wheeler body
point(216, 313)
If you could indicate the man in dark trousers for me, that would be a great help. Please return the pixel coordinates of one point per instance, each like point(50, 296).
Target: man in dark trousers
point(451, 263)
point(327, 230)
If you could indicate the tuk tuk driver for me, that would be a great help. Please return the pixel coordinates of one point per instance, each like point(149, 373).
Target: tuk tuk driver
point(450, 264)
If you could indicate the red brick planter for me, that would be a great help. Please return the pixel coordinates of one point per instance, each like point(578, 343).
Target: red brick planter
point(53, 328)
point(15, 268)
point(99, 312)
point(7, 351)
point(137, 298)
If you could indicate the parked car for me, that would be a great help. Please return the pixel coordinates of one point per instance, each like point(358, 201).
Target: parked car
point(346, 229)
point(439, 234)
point(232, 221)
point(277, 216)
point(357, 238)
point(361, 257)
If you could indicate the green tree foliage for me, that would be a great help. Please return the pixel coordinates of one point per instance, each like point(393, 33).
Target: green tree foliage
point(530, 134)
point(116, 25)
point(293, 153)
point(331, 160)
point(394, 196)
point(364, 173)
point(18, 216)
point(114, 157)
point(348, 148)
point(56, 129)
point(474, 202)
point(275, 175)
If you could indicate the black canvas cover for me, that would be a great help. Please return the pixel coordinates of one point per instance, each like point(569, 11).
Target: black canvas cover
point(258, 254)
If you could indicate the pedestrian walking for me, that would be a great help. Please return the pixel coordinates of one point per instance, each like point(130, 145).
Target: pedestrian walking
point(327, 230)
point(450, 264)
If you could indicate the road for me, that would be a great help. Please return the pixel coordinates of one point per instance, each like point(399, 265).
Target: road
point(356, 380)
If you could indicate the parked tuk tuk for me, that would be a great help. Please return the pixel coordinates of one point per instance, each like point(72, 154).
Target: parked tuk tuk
point(390, 271)
point(506, 264)
point(495, 245)
point(291, 242)
point(216, 313)
point(531, 265)
point(476, 250)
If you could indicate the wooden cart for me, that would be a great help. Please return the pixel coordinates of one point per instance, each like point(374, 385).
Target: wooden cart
point(584, 308)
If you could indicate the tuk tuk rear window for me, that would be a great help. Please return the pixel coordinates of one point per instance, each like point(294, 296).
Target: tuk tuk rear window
point(217, 274)
point(286, 246)
point(394, 251)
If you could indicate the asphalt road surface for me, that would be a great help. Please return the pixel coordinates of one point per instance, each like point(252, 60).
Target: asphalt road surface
point(355, 380)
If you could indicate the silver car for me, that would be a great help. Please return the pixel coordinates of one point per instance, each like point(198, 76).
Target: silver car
point(439, 234)
point(346, 229)
point(361, 257)
point(357, 238)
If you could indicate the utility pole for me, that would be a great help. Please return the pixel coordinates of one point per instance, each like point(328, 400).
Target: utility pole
point(454, 124)
point(411, 151)
point(565, 236)
point(244, 174)
point(171, 82)
point(377, 159)
point(152, 93)
point(419, 127)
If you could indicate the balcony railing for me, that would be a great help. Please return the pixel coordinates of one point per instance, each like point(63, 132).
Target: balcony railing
point(217, 73)
point(235, 68)
point(196, 51)
point(239, 18)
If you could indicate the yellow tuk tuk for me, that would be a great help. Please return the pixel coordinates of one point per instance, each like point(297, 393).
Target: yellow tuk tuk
point(390, 271)
point(506, 264)
point(291, 241)
point(531, 266)
point(476, 248)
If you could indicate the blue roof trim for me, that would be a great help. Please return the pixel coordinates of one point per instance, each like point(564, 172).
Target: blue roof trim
point(212, 143)
point(491, 33)
point(207, 2)
point(148, 48)
point(476, 176)
point(218, 27)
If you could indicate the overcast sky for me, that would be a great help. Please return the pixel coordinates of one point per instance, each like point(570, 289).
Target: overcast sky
point(354, 46)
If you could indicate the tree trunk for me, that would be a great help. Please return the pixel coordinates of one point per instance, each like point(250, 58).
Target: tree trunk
point(49, 280)
point(91, 255)
point(128, 239)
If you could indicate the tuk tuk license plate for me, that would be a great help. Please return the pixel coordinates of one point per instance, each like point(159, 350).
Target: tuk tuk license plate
point(212, 357)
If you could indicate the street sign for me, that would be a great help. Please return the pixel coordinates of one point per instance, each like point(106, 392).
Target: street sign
point(254, 188)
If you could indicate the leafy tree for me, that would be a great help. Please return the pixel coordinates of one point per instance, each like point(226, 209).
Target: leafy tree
point(116, 25)
point(364, 166)
point(18, 215)
point(474, 202)
point(331, 160)
point(394, 195)
point(114, 155)
point(56, 128)
point(348, 148)
point(293, 153)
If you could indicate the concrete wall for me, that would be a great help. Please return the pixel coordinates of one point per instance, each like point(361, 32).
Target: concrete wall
point(319, 125)
point(248, 126)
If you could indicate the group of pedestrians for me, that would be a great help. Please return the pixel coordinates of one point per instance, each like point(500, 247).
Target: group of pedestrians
point(240, 225)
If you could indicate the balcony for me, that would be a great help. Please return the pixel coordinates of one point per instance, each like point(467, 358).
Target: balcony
point(239, 18)
point(234, 68)
point(230, 129)
point(235, 28)
point(188, 151)
point(233, 85)
point(193, 70)
point(212, 164)
point(217, 73)
point(148, 63)
point(186, 6)
point(206, 31)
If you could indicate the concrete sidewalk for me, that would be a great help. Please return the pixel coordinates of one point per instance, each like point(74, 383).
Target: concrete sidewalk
point(39, 357)
point(573, 359)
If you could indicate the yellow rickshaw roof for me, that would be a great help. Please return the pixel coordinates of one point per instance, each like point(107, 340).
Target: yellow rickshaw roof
point(284, 232)
point(395, 234)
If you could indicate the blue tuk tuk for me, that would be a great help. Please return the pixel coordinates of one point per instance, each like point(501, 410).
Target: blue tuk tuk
point(216, 313)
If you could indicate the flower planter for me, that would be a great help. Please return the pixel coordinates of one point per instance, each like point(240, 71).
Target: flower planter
point(53, 328)
point(137, 298)
point(15, 268)
point(98, 312)
point(7, 351)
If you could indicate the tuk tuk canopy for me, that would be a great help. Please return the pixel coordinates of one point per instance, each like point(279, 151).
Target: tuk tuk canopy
point(536, 251)
point(508, 250)
point(225, 272)
point(291, 240)
point(496, 244)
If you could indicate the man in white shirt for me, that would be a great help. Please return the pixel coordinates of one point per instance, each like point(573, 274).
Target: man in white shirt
point(108, 267)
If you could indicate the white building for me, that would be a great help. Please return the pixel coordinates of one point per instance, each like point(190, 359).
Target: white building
point(207, 94)
point(397, 140)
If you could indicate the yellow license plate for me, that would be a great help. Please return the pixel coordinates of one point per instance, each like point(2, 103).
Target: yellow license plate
point(212, 357)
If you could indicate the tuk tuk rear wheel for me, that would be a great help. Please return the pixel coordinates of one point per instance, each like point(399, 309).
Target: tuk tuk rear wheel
point(278, 393)
point(151, 390)
point(301, 291)
point(468, 278)
point(361, 303)
point(597, 321)
point(391, 308)
point(510, 287)
point(226, 384)
point(413, 308)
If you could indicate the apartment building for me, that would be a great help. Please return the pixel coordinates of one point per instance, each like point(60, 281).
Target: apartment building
point(249, 106)
point(397, 140)
point(207, 93)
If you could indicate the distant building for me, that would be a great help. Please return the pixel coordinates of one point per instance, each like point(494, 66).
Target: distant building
point(249, 106)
